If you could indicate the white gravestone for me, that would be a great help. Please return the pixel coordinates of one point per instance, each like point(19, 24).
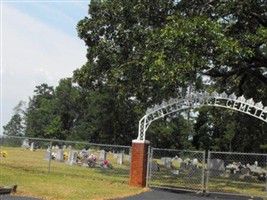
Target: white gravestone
point(164, 160)
point(59, 156)
point(25, 144)
point(73, 158)
point(103, 155)
point(216, 164)
point(32, 146)
point(48, 153)
point(169, 164)
point(70, 156)
point(120, 158)
point(195, 162)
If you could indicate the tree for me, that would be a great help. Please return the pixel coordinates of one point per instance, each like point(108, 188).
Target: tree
point(15, 127)
point(66, 109)
point(38, 114)
point(147, 50)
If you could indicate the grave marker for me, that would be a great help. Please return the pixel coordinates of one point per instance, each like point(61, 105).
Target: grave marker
point(25, 144)
point(120, 159)
point(59, 156)
point(73, 158)
point(103, 155)
point(32, 146)
point(155, 167)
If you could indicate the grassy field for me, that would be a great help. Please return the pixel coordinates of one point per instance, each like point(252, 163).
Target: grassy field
point(29, 170)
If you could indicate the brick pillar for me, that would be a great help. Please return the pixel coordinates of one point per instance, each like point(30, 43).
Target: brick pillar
point(139, 163)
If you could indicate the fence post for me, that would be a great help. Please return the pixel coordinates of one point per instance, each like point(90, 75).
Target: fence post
point(207, 173)
point(139, 163)
point(149, 162)
point(50, 157)
point(203, 171)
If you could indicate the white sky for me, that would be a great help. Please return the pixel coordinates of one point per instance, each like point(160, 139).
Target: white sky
point(39, 44)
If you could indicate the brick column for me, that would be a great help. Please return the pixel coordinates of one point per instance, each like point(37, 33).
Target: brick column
point(139, 163)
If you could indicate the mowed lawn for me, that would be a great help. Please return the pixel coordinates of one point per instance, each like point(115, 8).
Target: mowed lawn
point(30, 172)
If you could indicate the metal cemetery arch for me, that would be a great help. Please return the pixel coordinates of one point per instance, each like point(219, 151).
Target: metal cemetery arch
point(199, 100)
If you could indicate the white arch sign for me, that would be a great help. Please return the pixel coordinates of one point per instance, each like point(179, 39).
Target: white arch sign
point(247, 106)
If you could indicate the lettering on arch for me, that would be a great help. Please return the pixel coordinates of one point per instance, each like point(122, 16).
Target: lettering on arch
point(241, 104)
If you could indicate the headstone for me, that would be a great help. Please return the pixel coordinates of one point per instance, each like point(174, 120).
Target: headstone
point(84, 154)
point(64, 147)
point(155, 167)
point(49, 149)
point(244, 171)
point(183, 165)
point(59, 156)
point(120, 159)
point(72, 160)
point(169, 164)
point(70, 156)
point(180, 160)
point(164, 160)
point(47, 155)
point(195, 162)
point(32, 146)
point(175, 172)
point(25, 144)
point(216, 165)
point(103, 155)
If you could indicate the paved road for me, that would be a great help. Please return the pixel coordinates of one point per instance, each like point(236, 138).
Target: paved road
point(157, 195)
point(11, 197)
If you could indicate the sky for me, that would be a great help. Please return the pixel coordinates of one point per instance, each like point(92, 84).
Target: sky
point(39, 44)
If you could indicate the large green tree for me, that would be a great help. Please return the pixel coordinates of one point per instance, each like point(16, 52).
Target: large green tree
point(148, 50)
point(38, 114)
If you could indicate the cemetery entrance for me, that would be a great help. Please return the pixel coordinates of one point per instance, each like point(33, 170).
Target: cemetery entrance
point(187, 170)
point(176, 170)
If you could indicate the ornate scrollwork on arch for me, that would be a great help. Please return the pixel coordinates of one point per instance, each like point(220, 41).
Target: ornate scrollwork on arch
point(241, 104)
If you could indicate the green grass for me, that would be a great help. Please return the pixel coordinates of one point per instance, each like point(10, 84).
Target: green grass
point(29, 170)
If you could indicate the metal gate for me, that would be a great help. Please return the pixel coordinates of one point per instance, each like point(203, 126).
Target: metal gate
point(176, 169)
point(237, 173)
point(232, 173)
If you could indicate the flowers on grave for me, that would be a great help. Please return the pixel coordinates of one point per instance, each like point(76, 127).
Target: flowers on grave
point(3, 154)
point(65, 155)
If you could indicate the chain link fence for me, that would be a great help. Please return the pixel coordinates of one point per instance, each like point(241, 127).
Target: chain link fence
point(71, 158)
point(224, 172)
point(237, 173)
point(178, 170)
